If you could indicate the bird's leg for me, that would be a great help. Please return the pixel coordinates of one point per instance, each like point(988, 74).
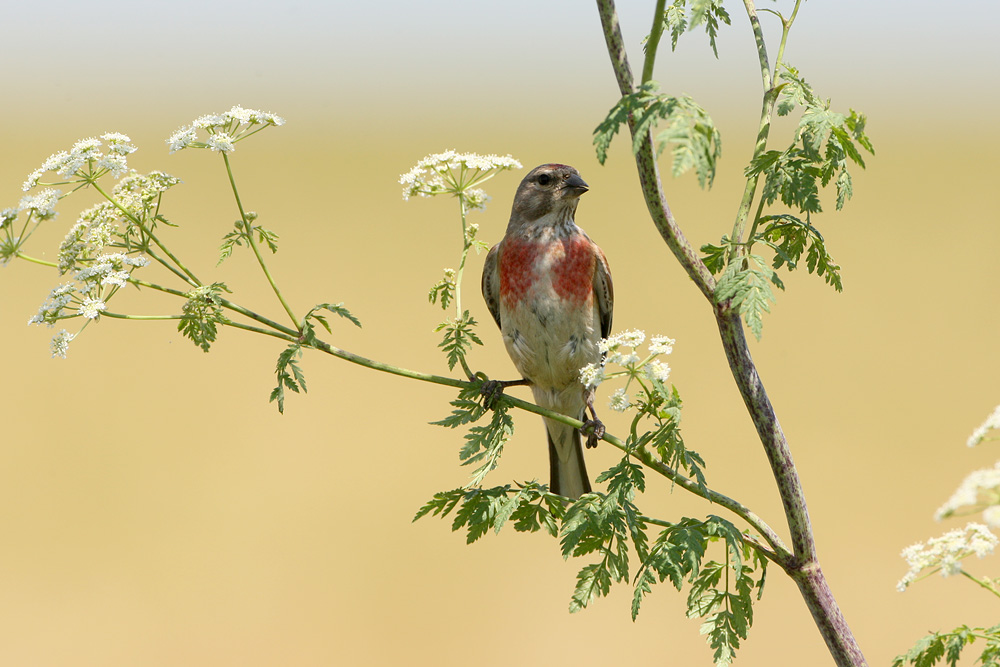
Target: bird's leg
point(493, 389)
point(594, 428)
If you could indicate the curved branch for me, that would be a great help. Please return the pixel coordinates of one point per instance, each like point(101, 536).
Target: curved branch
point(649, 171)
point(780, 554)
point(804, 567)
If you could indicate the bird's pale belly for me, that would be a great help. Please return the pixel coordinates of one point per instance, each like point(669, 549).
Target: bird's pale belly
point(550, 339)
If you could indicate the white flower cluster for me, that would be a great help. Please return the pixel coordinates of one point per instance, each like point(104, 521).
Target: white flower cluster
point(86, 160)
point(60, 343)
point(455, 173)
point(223, 130)
point(52, 309)
point(111, 269)
point(42, 205)
point(88, 293)
point(992, 423)
point(139, 194)
point(621, 349)
point(105, 223)
point(981, 489)
point(945, 553)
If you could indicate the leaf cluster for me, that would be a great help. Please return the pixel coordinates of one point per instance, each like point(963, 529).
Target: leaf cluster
point(747, 281)
point(662, 405)
point(287, 370)
point(789, 237)
point(948, 646)
point(315, 315)
point(528, 506)
point(459, 337)
point(290, 375)
point(242, 233)
point(202, 313)
point(605, 524)
point(482, 443)
point(609, 527)
point(721, 593)
point(685, 15)
point(824, 144)
point(696, 142)
point(443, 292)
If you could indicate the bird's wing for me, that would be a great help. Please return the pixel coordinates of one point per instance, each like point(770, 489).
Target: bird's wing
point(604, 291)
point(491, 282)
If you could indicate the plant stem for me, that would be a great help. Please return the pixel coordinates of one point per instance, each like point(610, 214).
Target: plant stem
point(461, 263)
point(459, 313)
point(292, 334)
point(248, 228)
point(35, 260)
point(804, 566)
point(649, 171)
point(653, 43)
point(266, 332)
point(770, 96)
point(982, 583)
point(120, 316)
point(188, 275)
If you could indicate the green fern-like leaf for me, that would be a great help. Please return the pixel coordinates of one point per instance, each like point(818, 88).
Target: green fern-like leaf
point(202, 313)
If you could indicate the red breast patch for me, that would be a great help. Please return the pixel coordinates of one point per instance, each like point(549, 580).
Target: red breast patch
point(571, 260)
point(574, 274)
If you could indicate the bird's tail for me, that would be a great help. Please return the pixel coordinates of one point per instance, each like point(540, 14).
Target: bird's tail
point(567, 470)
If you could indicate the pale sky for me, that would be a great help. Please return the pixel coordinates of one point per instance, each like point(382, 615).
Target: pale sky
point(70, 50)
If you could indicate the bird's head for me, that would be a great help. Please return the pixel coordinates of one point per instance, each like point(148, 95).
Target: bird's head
point(549, 188)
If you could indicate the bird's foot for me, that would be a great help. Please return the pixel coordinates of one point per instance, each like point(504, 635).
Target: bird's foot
point(594, 428)
point(492, 390)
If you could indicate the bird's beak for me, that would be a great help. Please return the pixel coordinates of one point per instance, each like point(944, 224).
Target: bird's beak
point(576, 185)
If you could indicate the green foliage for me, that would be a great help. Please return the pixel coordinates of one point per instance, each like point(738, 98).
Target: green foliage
point(948, 646)
point(715, 255)
point(202, 313)
point(315, 315)
point(288, 371)
point(459, 336)
point(789, 237)
point(289, 374)
point(528, 506)
point(682, 16)
point(606, 525)
point(728, 614)
point(720, 593)
point(662, 405)
point(443, 291)
point(747, 282)
point(482, 443)
point(609, 527)
point(822, 147)
point(242, 232)
point(824, 144)
point(697, 144)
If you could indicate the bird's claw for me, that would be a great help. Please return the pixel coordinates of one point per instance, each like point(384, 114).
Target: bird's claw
point(594, 428)
point(491, 391)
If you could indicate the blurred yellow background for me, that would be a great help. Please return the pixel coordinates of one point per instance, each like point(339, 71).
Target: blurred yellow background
point(156, 510)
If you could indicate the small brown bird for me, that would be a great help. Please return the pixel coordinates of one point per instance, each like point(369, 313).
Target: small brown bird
point(548, 287)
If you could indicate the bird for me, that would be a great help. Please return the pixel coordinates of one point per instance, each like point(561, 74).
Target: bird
point(548, 286)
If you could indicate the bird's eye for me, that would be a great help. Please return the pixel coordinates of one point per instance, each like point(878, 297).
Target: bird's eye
point(544, 179)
